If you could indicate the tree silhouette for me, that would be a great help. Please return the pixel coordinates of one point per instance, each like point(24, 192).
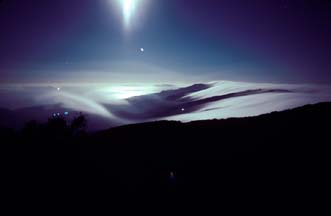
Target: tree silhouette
point(78, 124)
point(31, 129)
point(56, 128)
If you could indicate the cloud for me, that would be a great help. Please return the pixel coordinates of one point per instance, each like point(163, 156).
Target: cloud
point(114, 104)
point(76, 102)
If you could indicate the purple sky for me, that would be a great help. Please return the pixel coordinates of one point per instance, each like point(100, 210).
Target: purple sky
point(76, 41)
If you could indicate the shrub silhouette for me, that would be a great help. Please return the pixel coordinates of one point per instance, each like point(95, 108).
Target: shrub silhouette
point(269, 156)
point(79, 124)
point(31, 129)
point(55, 128)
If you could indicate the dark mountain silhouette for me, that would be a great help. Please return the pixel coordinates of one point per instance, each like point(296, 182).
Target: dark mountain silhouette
point(162, 104)
point(16, 118)
point(277, 161)
point(174, 102)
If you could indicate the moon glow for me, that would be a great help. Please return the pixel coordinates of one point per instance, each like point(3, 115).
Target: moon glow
point(129, 8)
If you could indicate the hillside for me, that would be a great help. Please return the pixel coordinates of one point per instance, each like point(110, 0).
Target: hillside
point(260, 159)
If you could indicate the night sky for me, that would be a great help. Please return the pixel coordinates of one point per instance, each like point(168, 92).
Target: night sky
point(79, 41)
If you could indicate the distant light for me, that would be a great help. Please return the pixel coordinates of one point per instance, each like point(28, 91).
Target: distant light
point(142, 49)
point(183, 109)
point(58, 114)
point(66, 113)
point(58, 89)
point(54, 114)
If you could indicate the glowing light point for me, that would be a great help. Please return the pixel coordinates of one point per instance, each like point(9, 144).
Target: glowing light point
point(183, 109)
point(66, 113)
point(142, 49)
point(58, 89)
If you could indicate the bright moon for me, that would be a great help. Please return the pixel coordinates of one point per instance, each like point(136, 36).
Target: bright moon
point(128, 9)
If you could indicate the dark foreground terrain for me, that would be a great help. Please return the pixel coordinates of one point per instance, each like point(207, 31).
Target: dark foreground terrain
point(277, 162)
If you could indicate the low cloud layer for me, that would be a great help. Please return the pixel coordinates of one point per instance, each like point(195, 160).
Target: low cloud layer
point(124, 104)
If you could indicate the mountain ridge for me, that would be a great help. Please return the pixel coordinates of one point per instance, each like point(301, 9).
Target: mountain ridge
point(259, 159)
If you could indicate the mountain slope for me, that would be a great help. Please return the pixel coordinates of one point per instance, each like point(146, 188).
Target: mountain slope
point(267, 160)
